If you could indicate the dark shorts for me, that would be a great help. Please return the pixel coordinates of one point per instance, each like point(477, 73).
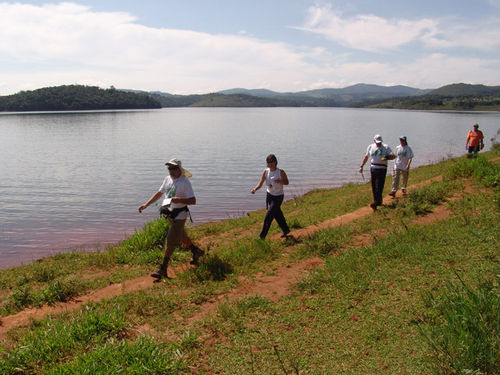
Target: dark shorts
point(473, 149)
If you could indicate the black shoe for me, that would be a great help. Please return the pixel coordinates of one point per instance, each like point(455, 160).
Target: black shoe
point(159, 274)
point(197, 253)
point(285, 234)
point(373, 206)
point(392, 194)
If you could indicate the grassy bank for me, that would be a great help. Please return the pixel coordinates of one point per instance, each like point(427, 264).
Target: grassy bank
point(395, 294)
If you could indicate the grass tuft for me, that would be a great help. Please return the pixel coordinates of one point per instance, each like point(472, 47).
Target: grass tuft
point(465, 339)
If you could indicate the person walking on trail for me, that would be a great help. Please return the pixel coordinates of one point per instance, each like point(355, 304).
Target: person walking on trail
point(274, 178)
point(178, 195)
point(379, 153)
point(474, 141)
point(404, 156)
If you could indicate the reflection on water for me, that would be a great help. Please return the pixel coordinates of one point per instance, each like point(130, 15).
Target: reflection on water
point(76, 179)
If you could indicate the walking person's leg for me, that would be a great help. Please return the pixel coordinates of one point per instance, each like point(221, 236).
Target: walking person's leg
point(379, 175)
point(373, 182)
point(395, 181)
point(195, 250)
point(476, 150)
point(174, 236)
point(268, 219)
point(404, 180)
point(278, 215)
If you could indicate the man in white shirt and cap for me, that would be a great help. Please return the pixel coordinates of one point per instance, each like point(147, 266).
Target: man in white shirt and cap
point(178, 195)
point(379, 153)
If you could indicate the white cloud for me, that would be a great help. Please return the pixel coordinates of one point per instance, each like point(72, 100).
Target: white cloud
point(366, 32)
point(72, 44)
point(495, 3)
point(111, 47)
point(431, 71)
point(376, 34)
point(484, 36)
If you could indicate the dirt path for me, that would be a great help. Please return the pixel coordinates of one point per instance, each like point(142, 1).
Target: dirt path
point(278, 285)
point(271, 287)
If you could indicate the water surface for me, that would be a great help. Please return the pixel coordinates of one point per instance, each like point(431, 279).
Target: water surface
point(76, 179)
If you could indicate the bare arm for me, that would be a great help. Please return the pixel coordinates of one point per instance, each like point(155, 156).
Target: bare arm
point(261, 181)
point(284, 178)
point(408, 164)
point(363, 163)
point(151, 200)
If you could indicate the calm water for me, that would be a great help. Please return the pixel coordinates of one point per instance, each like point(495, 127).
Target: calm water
point(76, 179)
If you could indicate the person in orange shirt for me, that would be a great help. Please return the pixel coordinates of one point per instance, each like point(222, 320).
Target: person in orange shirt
point(474, 141)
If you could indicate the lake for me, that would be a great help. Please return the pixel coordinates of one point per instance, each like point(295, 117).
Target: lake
point(75, 180)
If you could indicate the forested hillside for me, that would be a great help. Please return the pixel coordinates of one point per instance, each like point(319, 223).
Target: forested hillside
point(75, 97)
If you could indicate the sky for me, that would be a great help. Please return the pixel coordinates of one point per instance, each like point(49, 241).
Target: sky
point(202, 46)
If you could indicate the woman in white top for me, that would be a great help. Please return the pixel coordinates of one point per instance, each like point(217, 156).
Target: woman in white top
point(274, 178)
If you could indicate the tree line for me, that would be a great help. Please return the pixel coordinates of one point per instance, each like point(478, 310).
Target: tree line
point(75, 97)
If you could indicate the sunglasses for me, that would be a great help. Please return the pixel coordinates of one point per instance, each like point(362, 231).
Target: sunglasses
point(173, 168)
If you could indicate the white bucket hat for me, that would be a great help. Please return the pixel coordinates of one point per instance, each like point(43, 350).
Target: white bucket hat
point(178, 163)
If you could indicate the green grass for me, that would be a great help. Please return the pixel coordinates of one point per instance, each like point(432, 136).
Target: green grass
point(420, 299)
point(464, 328)
point(361, 313)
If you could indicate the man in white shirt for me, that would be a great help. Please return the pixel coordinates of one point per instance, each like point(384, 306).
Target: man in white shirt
point(379, 154)
point(404, 156)
point(178, 195)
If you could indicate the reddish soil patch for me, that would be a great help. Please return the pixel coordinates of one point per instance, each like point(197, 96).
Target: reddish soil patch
point(271, 287)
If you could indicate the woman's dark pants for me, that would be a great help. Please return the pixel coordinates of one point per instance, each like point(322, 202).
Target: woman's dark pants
point(273, 203)
point(378, 181)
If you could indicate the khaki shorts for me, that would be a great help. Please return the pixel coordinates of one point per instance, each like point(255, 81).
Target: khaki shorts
point(176, 232)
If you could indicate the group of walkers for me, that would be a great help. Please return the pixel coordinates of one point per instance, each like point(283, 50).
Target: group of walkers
point(379, 154)
point(178, 192)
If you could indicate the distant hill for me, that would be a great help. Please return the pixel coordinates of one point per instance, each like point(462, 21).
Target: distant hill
point(464, 89)
point(333, 97)
point(75, 97)
point(365, 91)
point(263, 93)
point(241, 100)
point(457, 96)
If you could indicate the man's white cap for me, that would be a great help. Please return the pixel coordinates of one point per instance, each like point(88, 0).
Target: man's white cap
point(178, 163)
point(377, 138)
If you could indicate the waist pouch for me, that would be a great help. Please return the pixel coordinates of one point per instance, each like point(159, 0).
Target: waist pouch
point(167, 213)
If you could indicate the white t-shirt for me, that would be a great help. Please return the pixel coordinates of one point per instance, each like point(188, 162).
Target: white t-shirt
point(403, 153)
point(273, 188)
point(179, 187)
point(377, 153)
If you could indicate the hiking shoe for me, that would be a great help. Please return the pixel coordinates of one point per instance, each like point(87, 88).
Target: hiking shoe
point(285, 234)
point(392, 194)
point(197, 253)
point(159, 274)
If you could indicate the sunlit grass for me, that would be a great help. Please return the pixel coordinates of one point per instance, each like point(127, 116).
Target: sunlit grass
point(378, 307)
